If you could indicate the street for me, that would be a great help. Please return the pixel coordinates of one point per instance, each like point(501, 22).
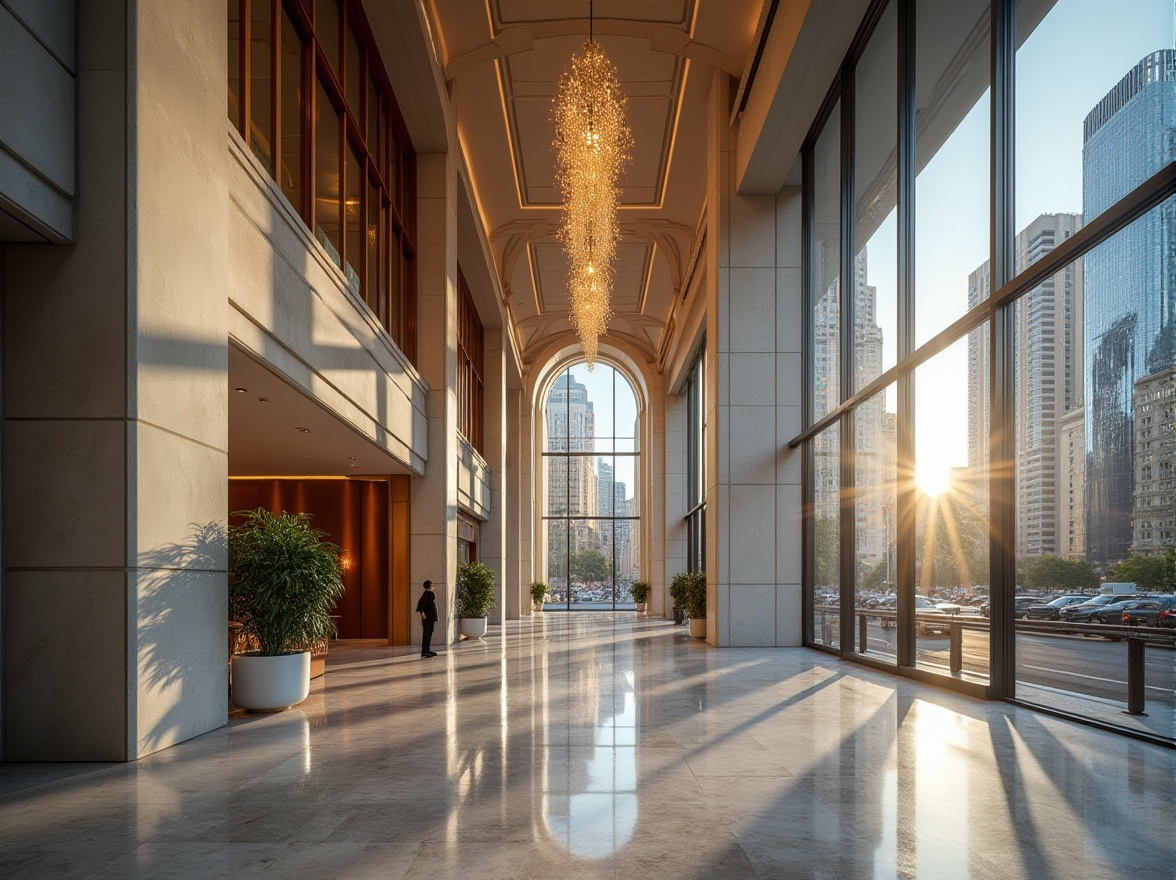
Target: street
point(1092, 666)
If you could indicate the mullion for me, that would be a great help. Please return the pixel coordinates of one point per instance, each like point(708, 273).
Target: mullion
point(246, 87)
point(568, 481)
point(276, 89)
point(1002, 365)
point(808, 382)
point(847, 539)
point(905, 538)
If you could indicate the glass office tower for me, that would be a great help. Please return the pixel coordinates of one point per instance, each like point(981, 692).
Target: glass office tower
point(1130, 291)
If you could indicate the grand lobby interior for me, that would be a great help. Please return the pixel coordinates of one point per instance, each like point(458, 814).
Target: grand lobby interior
point(888, 360)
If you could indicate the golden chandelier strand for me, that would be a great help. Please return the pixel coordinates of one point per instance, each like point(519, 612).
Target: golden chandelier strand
point(592, 144)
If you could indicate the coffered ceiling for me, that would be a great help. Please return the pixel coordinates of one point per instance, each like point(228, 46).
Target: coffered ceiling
point(503, 60)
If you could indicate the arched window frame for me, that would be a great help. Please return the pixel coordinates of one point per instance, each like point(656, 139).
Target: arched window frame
point(545, 451)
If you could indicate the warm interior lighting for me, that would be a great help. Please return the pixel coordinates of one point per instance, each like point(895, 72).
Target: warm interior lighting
point(592, 143)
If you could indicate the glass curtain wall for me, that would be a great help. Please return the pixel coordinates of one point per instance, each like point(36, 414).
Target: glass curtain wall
point(590, 474)
point(1006, 312)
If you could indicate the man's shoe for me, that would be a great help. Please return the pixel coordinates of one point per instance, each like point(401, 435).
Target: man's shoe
point(431, 654)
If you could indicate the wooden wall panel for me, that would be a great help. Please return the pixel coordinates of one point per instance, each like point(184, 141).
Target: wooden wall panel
point(355, 514)
point(400, 622)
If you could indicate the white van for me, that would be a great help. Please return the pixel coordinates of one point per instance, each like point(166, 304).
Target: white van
point(1125, 589)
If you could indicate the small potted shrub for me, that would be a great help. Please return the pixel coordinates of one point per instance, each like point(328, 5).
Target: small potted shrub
point(688, 590)
point(475, 598)
point(640, 593)
point(539, 593)
point(284, 579)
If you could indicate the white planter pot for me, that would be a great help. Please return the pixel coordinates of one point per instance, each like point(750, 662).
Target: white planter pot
point(640, 607)
point(270, 684)
point(473, 627)
point(698, 627)
point(536, 606)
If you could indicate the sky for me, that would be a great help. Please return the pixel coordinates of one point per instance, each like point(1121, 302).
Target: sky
point(1075, 56)
point(599, 383)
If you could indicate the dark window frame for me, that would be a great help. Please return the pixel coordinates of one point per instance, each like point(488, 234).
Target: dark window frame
point(695, 518)
point(471, 347)
point(568, 454)
point(388, 164)
point(996, 312)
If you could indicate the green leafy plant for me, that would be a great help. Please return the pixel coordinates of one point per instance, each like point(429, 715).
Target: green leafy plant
point(640, 592)
point(539, 592)
point(475, 590)
point(688, 590)
point(284, 579)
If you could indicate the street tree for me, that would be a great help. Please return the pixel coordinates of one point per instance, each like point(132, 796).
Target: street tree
point(1050, 572)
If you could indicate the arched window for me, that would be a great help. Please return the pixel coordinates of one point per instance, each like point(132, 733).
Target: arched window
point(590, 477)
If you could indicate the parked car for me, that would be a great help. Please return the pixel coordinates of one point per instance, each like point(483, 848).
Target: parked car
point(1052, 610)
point(1022, 604)
point(924, 606)
point(1085, 611)
point(1113, 614)
point(1159, 611)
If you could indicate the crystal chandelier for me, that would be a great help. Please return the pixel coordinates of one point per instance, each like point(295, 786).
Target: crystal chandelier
point(592, 144)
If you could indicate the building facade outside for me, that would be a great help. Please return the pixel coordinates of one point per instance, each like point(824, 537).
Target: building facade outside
point(1072, 450)
point(1047, 377)
point(1129, 291)
point(1153, 518)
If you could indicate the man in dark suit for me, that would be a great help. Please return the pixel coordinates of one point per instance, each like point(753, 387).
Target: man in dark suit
point(427, 609)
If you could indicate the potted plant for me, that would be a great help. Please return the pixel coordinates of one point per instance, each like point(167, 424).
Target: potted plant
point(475, 598)
point(688, 590)
point(284, 579)
point(640, 593)
point(539, 593)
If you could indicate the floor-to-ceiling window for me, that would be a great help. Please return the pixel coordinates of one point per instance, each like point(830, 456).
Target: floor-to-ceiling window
point(990, 237)
point(696, 464)
point(590, 488)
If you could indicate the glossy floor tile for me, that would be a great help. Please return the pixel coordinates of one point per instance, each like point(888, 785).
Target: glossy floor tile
point(606, 745)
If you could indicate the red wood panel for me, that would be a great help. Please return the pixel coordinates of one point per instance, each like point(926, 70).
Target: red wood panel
point(354, 514)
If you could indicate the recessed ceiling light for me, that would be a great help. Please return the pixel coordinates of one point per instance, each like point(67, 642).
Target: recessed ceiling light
point(302, 430)
point(263, 400)
point(240, 390)
point(351, 457)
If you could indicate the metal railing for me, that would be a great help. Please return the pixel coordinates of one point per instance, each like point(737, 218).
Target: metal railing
point(1137, 638)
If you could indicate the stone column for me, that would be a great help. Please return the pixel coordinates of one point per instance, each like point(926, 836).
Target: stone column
point(754, 383)
point(434, 496)
point(515, 589)
point(528, 570)
point(673, 440)
point(115, 482)
point(492, 549)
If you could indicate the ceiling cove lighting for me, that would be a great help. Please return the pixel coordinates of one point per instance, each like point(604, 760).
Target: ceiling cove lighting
point(592, 144)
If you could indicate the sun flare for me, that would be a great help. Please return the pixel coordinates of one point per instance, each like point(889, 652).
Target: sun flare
point(933, 478)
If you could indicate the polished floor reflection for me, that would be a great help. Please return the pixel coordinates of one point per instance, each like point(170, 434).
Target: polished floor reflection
point(605, 745)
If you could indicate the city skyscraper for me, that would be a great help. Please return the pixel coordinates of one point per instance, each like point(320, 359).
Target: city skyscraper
point(875, 435)
point(1072, 452)
point(572, 483)
point(1154, 517)
point(1130, 291)
point(1047, 377)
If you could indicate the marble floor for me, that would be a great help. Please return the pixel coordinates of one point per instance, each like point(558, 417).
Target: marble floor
point(606, 745)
